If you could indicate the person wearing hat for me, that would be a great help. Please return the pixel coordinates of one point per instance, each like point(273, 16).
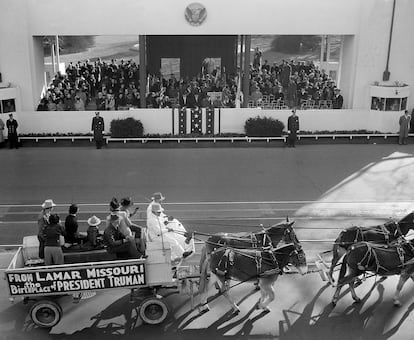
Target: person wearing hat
point(293, 129)
point(116, 242)
point(53, 241)
point(158, 231)
point(170, 224)
point(156, 197)
point(93, 230)
point(12, 132)
point(42, 222)
point(98, 128)
point(115, 209)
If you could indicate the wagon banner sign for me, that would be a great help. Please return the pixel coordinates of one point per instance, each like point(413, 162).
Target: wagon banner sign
point(67, 280)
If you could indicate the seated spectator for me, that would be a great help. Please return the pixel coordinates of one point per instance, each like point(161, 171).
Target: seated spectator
point(93, 231)
point(79, 104)
point(302, 95)
point(100, 102)
point(71, 226)
point(109, 102)
point(51, 105)
point(116, 242)
point(42, 105)
point(60, 105)
point(256, 97)
point(69, 103)
point(53, 241)
point(120, 102)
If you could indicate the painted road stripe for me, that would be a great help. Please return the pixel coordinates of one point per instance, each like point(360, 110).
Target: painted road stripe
point(223, 202)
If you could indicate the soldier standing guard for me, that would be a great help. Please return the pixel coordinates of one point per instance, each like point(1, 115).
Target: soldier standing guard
point(293, 128)
point(98, 127)
point(12, 132)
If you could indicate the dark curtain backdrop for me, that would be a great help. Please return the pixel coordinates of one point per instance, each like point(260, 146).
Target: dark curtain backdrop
point(191, 50)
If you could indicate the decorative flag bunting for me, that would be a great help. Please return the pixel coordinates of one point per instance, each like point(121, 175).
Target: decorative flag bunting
point(209, 129)
point(182, 129)
point(204, 121)
point(196, 121)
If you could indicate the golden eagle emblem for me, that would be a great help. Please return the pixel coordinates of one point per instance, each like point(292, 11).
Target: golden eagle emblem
point(195, 14)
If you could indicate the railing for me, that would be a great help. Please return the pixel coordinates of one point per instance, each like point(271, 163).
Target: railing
point(178, 140)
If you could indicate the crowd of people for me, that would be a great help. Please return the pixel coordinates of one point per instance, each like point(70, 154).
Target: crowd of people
point(293, 83)
point(121, 237)
point(105, 85)
point(114, 85)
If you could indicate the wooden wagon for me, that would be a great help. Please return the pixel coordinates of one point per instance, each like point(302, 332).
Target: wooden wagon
point(45, 286)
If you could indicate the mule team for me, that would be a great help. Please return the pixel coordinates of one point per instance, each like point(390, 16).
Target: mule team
point(378, 250)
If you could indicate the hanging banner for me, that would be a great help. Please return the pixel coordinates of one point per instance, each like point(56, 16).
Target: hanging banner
point(71, 279)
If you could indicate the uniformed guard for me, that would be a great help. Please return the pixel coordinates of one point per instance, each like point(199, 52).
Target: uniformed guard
point(293, 129)
point(98, 128)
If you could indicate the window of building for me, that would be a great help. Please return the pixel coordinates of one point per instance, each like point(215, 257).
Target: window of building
point(8, 105)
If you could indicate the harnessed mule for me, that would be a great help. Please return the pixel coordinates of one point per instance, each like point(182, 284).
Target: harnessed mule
point(226, 263)
point(385, 260)
point(268, 237)
point(382, 234)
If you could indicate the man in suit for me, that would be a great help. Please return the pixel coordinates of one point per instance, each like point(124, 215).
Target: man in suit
point(193, 99)
point(338, 100)
point(98, 128)
point(293, 128)
point(184, 99)
point(404, 122)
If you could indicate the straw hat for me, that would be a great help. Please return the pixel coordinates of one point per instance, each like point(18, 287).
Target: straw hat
point(94, 221)
point(158, 196)
point(47, 204)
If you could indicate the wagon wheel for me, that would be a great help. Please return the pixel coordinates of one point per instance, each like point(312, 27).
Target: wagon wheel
point(153, 311)
point(45, 313)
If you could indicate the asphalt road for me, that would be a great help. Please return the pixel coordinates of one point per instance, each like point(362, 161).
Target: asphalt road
point(324, 188)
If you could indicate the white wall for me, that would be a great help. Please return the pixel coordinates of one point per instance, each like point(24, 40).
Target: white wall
point(16, 50)
point(372, 47)
point(79, 122)
point(365, 24)
point(97, 17)
point(160, 121)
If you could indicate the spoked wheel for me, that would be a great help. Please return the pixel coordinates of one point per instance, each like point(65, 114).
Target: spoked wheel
point(46, 313)
point(153, 311)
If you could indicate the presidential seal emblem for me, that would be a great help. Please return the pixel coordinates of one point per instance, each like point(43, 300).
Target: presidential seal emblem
point(195, 14)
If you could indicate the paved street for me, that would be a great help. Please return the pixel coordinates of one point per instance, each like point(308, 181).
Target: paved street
point(323, 188)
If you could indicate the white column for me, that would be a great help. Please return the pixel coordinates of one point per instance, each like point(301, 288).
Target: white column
point(188, 120)
point(57, 53)
point(216, 121)
point(203, 120)
point(176, 120)
point(52, 47)
point(328, 48)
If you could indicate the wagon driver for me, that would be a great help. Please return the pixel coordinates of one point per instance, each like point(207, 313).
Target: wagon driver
point(161, 227)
